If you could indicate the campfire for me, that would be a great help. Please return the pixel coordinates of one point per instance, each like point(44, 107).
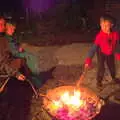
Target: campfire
point(71, 103)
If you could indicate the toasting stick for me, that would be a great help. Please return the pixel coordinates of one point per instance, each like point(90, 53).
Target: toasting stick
point(80, 81)
point(33, 88)
point(6, 81)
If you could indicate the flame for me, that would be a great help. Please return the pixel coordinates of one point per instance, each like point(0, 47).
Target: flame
point(73, 103)
point(56, 105)
point(70, 100)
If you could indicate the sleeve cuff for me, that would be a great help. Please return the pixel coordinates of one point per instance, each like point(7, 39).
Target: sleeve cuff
point(88, 61)
point(117, 56)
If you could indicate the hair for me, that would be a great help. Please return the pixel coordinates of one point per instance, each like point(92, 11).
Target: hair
point(2, 18)
point(109, 18)
point(13, 23)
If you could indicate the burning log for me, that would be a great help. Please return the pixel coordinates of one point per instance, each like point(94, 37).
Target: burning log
point(71, 103)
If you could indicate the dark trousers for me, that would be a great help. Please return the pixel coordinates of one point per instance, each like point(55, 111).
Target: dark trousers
point(102, 60)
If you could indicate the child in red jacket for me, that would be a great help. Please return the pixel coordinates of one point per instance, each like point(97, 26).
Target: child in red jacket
point(106, 45)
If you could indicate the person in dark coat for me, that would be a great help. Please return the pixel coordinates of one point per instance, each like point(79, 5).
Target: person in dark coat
point(8, 64)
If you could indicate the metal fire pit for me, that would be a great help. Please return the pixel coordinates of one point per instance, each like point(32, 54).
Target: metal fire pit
point(88, 95)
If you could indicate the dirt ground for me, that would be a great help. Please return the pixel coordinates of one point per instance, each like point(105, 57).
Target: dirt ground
point(63, 37)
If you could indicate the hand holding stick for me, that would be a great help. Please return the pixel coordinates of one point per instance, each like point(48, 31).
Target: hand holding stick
point(80, 81)
point(6, 81)
point(21, 77)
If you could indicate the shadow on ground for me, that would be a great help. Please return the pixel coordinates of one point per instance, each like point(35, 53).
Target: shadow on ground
point(111, 111)
point(46, 75)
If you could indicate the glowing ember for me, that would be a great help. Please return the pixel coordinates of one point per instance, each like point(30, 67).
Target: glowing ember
point(68, 103)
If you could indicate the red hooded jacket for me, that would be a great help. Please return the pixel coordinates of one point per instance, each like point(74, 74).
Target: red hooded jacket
point(108, 43)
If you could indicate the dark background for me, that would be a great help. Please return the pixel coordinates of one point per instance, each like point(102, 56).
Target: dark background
point(10, 5)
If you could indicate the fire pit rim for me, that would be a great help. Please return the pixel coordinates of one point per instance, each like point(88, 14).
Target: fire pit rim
point(100, 102)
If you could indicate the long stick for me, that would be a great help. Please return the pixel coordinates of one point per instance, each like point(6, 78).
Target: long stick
point(81, 77)
point(4, 84)
point(42, 95)
point(6, 81)
point(33, 88)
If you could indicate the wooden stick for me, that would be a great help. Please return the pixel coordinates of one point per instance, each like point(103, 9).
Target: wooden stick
point(81, 77)
point(33, 88)
point(4, 76)
point(6, 81)
point(42, 95)
point(4, 84)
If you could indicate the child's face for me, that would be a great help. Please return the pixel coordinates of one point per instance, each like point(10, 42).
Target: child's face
point(2, 25)
point(10, 29)
point(106, 26)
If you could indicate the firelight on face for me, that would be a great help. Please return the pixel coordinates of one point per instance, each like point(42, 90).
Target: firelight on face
point(106, 26)
point(10, 29)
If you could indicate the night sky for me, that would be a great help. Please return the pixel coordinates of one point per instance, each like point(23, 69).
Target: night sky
point(10, 5)
point(17, 5)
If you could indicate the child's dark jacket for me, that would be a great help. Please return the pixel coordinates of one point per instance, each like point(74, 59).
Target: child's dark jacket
point(31, 60)
point(14, 46)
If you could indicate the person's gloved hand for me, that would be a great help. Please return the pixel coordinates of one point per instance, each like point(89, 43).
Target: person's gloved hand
point(117, 56)
point(21, 77)
point(21, 49)
point(86, 66)
point(88, 63)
